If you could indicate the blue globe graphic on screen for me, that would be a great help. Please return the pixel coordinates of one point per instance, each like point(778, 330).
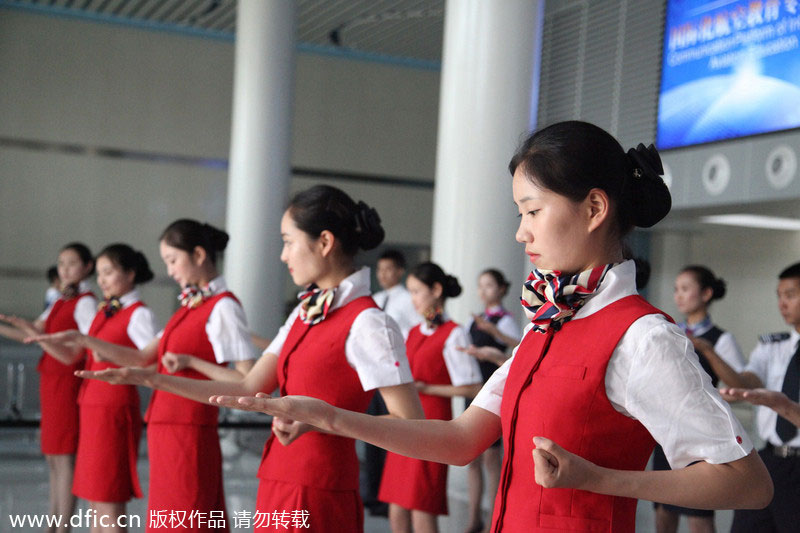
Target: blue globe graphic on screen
point(725, 107)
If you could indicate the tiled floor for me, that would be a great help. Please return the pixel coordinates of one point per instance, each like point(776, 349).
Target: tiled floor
point(23, 484)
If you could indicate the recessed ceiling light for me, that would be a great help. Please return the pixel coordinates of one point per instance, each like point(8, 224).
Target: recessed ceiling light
point(754, 221)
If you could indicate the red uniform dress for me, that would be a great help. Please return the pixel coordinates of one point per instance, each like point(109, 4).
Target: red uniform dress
point(110, 423)
point(58, 386)
point(412, 483)
point(183, 445)
point(556, 388)
point(315, 478)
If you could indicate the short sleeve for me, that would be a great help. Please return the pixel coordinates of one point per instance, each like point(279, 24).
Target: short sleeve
point(45, 313)
point(85, 310)
point(376, 350)
point(655, 377)
point(508, 327)
point(142, 326)
point(228, 332)
point(490, 396)
point(462, 367)
point(276, 345)
point(759, 362)
point(728, 349)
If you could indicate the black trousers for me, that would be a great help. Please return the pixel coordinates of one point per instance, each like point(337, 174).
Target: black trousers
point(783, 513)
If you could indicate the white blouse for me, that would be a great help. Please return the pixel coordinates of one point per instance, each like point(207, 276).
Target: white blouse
point(462, 368)
point(396, 301)
point(654, 376)
point(85, 309)
point(726, 347)
point(227, 327)
point(769, 361)
point(374, 348)
point(506, 325)
point(142, 325)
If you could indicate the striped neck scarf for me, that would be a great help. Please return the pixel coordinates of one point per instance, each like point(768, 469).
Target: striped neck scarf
point(110, 306)
point(553, 298)
point(434, 317)
point(192, 296)
point(315, 304)
point(70, 291)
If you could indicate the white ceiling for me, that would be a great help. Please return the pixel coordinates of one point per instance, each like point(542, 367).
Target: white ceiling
point(410, 29)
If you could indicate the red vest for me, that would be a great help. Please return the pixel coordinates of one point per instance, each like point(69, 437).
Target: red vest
point(426, 359)
point(112, 329)
point(61, 318)
point(185, 333)
point(558, 391)
point(312, 362)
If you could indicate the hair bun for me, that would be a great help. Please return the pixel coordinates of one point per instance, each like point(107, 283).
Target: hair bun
point(217, 238)
point(719, 288)
point(143, 272)
point(368, 226)
point(453, 288)
point(648, 196)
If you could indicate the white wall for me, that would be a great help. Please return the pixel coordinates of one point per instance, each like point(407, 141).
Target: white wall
point(749, 260)
point(96, 85)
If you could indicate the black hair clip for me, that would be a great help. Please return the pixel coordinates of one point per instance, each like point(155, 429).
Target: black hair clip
point(646, 162)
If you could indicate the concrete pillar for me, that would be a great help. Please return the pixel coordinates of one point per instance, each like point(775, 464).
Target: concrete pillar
point(489, 93)
point(260, 163)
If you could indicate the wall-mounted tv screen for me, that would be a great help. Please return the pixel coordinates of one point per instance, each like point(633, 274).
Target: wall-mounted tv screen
point(730, 68)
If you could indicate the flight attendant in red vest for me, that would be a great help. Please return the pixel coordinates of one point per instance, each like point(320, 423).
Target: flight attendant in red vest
point(417, 490)
point(186, 492)
point(110, 420)
point(58, 387)
point(599, 375)
point(336, 345)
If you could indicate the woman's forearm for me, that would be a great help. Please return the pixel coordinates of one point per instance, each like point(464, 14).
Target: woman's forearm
point(201, 389)
point(215, 371)
point(66, 353)
point(117, 354)
point(727, 374)
point(741, 484)
point(10, 332)
point(450, 391)
point(455, 442)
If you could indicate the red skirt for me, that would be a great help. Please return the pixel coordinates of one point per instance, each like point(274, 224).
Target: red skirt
point(58, 400)
point(414, 484)
point(105, 465)
point(186, 492)
point(290, 507)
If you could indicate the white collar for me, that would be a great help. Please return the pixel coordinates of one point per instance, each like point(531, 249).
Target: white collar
point(395, 289)
point(83, 286)
point(353, 286)
point(794, 337)
point(129, 298)
point(427, 330)
point(619, 282)
point(217, 285)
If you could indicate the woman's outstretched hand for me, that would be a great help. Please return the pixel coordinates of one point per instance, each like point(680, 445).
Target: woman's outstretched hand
point(556, 467)
point(68, 336)
point(25, 326)
point(287, 431)
point(294, 408)
point(769, 398)
point(121, 376)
